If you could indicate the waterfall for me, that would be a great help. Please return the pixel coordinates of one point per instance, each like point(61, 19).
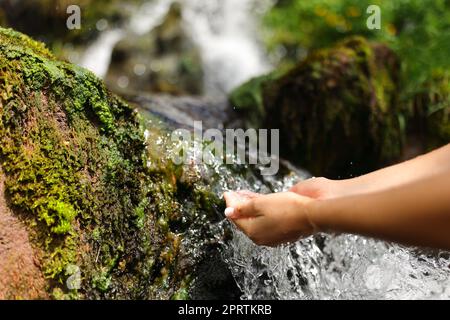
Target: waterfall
point(224, 30)
point(97, 56)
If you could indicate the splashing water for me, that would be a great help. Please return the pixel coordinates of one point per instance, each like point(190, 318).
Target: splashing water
point(323, 266)
point(320, 267)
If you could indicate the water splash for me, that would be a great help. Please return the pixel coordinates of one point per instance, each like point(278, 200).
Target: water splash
point(323, 266)
point(320, 267)
point(337, 267)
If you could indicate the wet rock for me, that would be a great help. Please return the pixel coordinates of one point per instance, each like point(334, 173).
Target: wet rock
point(337, 110)
point(108, 212)
point(247, 99)
point(163, 60)
point(20, 276)
point(431, 112)
point(181, 112)
point(46, 19)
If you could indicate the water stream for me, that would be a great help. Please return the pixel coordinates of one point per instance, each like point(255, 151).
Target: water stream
point(225, 32)
point(320, 267)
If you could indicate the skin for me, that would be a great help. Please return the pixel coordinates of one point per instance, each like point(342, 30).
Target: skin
point(408, 203)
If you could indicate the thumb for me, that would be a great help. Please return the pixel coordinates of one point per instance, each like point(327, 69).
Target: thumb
point(242, 210)
point(299, 187)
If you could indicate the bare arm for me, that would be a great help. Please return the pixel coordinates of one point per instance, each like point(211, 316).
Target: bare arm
point(428, 165)
point(412, 208)
point(422, 167)
point(415, 214)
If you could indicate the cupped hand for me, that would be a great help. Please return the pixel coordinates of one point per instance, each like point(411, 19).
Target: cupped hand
point(271, 219)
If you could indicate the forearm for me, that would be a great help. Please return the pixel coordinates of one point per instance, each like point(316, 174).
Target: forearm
point(422, 167)
point(415, 214)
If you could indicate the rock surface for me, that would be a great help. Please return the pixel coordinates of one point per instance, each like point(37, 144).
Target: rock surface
point(431, 112)
point(337, 111)
point(20, 274)
point(101, 204)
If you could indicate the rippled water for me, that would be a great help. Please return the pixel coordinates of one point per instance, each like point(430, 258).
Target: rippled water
point(323, 266)
point(320, 267)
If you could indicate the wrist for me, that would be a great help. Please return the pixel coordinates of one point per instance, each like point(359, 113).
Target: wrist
point(312, 212)
point(351, 187)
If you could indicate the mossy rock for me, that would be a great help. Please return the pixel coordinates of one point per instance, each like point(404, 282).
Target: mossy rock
point(76, 171)
point(247, 99)
point(337, 110)
point(431, 111)
point(46, 19)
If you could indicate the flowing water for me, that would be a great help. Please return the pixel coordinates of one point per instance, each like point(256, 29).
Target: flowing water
point(320, 267)
point(225, 32)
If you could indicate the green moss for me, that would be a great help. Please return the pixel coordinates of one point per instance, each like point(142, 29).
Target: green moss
point(431, 111)
point(247, 99)
point(94, 193)
point(337, 110)
point(72, 154)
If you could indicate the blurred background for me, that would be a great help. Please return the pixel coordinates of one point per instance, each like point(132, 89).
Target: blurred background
point(211, 47)
point(228, 41)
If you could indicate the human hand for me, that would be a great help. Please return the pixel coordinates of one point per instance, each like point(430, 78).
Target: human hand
point(271, 219)
point(320, 188)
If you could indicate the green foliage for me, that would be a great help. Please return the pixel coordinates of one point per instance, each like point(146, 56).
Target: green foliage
point(419, 31)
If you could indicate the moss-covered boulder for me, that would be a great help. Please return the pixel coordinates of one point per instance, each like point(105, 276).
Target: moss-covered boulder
point(105, 215)
point(431, 111)
point(46, 19)
point(248, 100)
point(164, 60)
point(337, 110)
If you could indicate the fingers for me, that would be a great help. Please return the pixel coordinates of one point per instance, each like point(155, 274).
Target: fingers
point(245, 225)
point(248, 194)
point(301, 186)
point(247, 209)
point(240, 204)
point(234, 198)
point(244, 209)
point(313, 187)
